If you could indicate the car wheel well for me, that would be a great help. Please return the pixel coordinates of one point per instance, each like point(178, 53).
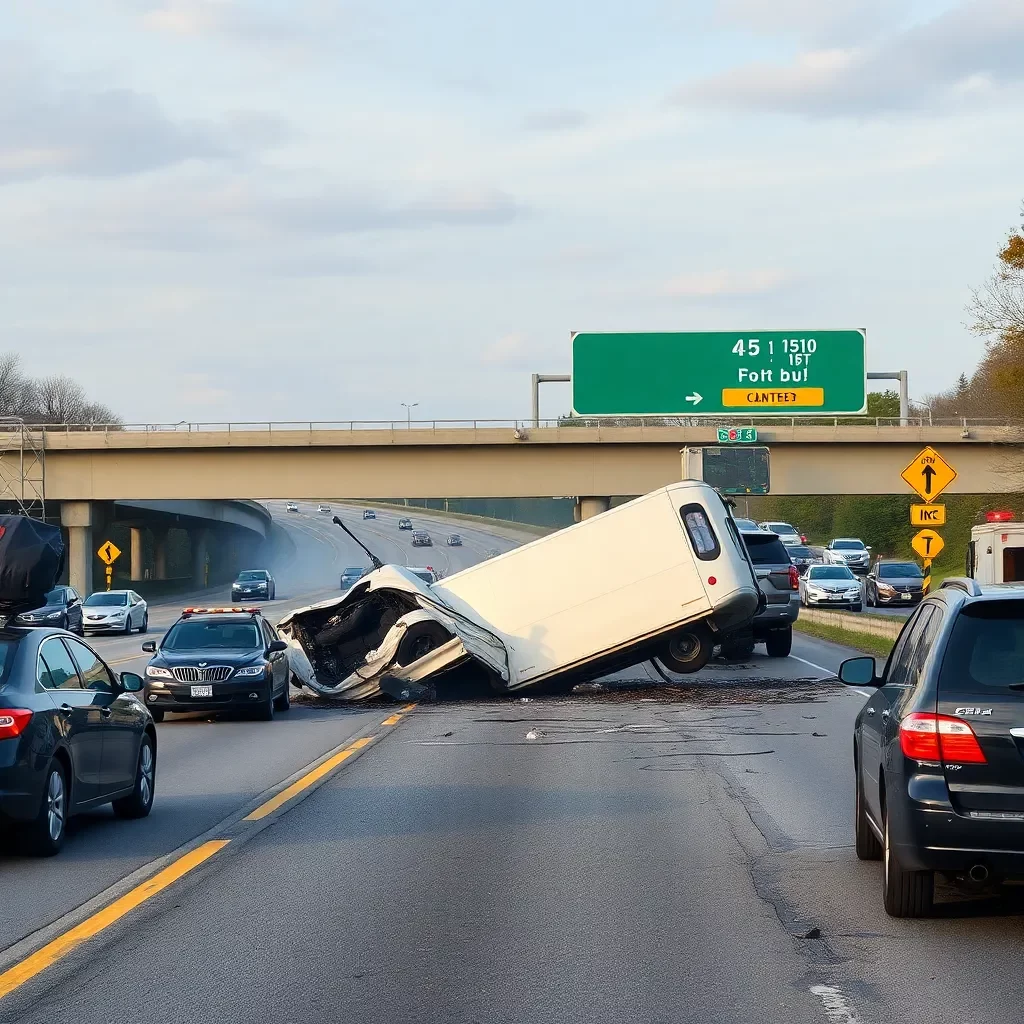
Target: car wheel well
point(61, 755)
point(151, 733)
point(881, 792)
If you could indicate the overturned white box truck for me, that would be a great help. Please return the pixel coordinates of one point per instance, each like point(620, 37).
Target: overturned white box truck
point(659, 577)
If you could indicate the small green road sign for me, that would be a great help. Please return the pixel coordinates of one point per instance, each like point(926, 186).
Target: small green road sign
point(758, 373)
point(737, 435)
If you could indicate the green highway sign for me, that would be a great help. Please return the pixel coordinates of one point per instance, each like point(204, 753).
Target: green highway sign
point(757, 373)
point(737, 435)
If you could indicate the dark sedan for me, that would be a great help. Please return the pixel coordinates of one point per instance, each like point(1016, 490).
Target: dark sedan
point(894, 582)
point(254, 584)
point(73, 736)
point(421, 539)
point(62, 608)
point(802, 557)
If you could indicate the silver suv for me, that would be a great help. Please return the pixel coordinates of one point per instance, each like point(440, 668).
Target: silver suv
point(779, 581)
point(849, 551)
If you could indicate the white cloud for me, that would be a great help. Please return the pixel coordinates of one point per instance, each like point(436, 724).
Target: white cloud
point(561, 120)
point(508, 350)
point(721, 284)
point(970, 52)
point(197, 389)
point(819, 20)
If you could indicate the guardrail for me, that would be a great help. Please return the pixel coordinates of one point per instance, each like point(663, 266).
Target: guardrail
point(568, 422)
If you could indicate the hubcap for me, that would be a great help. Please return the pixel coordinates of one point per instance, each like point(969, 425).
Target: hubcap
point(146, 773)
point(684, 648)
point(55, 805)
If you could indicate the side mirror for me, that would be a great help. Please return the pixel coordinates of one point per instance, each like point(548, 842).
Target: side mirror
point(867, 547)
point(72, 601)
point(131, 682)
point(276, 647)
point(858, 672)
point(149, 647)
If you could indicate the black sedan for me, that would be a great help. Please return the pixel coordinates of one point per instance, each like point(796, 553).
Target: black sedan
point(61, 608)
point(254, 585)
point(421, 539)
point(73, 736)
point(939, 747)
point(218, 659)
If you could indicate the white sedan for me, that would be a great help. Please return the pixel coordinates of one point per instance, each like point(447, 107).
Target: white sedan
point(831, 586)
point(789, 535)
point(120, 611)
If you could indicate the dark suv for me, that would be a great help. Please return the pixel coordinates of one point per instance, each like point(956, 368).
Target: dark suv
point(779, 581)
point(939, 746)
point(218, 659)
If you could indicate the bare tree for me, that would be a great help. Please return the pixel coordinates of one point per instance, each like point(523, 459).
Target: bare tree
point(14, 385)
point(61, 399)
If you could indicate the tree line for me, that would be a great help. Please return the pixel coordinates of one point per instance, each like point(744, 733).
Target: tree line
point(53, 399)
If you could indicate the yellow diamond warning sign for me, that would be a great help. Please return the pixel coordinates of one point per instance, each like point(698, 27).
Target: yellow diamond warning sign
point(927, 543)
point(929, 474)
point(109, 552)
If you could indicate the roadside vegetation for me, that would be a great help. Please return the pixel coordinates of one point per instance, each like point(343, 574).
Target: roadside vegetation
point(54, 399)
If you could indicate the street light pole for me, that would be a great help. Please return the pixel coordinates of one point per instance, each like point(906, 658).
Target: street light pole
point(408, 413)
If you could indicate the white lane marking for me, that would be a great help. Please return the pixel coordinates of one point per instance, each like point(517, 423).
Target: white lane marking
point(820, 668)
point(837, 1006)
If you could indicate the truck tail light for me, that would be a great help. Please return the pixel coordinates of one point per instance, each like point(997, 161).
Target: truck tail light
point(13, 722)
point(927, 737)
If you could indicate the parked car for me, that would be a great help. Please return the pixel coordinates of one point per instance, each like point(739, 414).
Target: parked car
point(545, 615)
point(831, 586)
point(404, 524)
point(368, 513)
point(62, 608)
point(802, 556)
point(849, 551)
point(291, 507)
point(421, 539)
point(353, 574)
point(789, 535)
point(115, 610)
point(894, 581)
point(253, 584)
point(938, 770)
point(324, 509)
point(218, 659)
point(779, 581)
point(73, 736)
point(454, 540)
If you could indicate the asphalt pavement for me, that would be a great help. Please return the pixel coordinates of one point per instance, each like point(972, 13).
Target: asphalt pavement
point(210, 767)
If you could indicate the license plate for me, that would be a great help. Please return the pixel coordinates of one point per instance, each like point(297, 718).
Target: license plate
point(202, 691)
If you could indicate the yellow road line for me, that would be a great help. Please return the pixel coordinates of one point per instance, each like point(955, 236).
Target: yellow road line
point(17, 975)
point(307, 780)
point(408, 707)
point(393, 720)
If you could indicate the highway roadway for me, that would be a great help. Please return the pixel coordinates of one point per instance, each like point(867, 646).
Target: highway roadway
point(637, 852)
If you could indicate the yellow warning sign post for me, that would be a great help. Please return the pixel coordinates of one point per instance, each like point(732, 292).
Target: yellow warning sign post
point(929, 474)
point(109, 553)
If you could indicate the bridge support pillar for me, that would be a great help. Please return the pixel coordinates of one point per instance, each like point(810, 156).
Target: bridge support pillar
point(77, 516)
point(200, 541)
point(588, 507)
point(138, 569)
point(160, 552)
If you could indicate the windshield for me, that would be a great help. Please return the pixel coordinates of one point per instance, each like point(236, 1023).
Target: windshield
point(54, 596)
point(830, 572)
point(427, 577)
point(892, 570)
point(354, 570)
point(106, 600)
point(252, 575)
point(766, 549)
point(986, 648)
point(847, 545)
point(800, 552)
point(200, 635)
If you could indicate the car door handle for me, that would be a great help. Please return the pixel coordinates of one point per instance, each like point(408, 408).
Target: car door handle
point(885, 714)
point(66, 709)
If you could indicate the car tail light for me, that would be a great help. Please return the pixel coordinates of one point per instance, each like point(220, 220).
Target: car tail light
point(926, 737)
point(794, 578)
point(803, 538)
point(13, 722)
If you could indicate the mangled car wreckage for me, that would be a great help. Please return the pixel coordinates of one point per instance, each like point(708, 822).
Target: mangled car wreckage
point(659, 577)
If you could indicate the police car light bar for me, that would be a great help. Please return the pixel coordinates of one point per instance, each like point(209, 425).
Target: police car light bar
point(218, 611)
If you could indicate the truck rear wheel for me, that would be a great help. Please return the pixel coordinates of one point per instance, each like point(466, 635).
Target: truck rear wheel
point(687, 651)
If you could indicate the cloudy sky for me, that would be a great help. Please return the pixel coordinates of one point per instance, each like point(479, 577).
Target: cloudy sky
point(298, 209)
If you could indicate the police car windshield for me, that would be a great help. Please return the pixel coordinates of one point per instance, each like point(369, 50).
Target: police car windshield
point(211, 634)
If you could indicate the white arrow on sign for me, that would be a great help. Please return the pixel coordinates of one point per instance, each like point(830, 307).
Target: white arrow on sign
point(695, 397)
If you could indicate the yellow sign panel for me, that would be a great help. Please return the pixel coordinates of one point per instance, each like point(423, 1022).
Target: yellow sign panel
point(927, 515)
point(929, 474)
point(751, 398)
point(927, 543)
point(109, 552)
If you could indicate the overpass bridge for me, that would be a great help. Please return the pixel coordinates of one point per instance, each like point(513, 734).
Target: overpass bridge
point(589, 459)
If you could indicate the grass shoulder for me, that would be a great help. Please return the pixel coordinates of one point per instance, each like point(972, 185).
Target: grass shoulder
point(878, 646)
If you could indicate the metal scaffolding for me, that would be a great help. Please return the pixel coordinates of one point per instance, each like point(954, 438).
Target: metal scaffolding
point(23, 466)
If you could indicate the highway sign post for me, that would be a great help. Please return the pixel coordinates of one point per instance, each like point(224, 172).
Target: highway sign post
point(927, 515)
point(762, 373)
point(109, 553)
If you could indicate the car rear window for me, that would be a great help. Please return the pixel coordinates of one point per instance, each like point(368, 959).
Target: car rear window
point(798, 552)
point(985, 649)
point(779, 528)
point(7, 649)
point(354, 570)
point(766, 549)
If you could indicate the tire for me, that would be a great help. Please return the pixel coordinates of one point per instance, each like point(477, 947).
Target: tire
point(858, 607)
point(688, 651)
point(869, 598)
point(127, 624)
point(44, 835)
point(779, 642)
point(284, 702)
point(158, 714)
point(420, 639)
point(144, 628)
point(273, 592)
point(140, 802)
point(65, 625)
point(904, 893)
point(265, 710)
point(738, 648)
point(865, 841)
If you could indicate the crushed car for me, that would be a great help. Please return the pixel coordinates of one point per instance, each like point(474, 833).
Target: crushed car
point(546, 615)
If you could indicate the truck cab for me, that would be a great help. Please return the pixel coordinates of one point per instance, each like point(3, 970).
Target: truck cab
point(995, 553)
